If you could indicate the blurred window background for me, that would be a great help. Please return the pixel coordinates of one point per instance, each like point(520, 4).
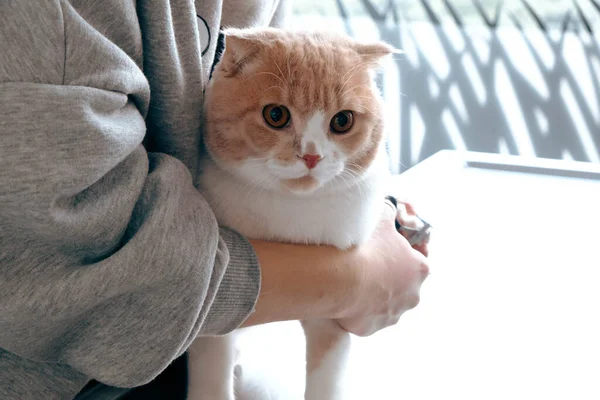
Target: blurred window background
point(515, 77)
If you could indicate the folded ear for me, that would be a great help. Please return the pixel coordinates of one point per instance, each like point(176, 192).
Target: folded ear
point(241, 47)
point(374, 53)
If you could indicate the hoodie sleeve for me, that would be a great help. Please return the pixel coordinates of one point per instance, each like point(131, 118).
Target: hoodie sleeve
point(111, 263)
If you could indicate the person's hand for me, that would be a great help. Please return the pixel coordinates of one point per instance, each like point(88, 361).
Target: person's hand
point(390, 278)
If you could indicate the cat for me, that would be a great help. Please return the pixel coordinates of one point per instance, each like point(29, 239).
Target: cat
point(296, 153)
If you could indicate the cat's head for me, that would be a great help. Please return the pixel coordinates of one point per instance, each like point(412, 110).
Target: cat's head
point(294, 111)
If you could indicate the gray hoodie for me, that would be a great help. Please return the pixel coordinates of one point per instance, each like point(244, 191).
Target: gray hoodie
point(111, 263)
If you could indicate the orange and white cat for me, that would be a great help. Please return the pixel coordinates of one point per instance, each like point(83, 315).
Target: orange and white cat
point(294, 133)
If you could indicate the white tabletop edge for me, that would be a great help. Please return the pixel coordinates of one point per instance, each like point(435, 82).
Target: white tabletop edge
point(453, 159)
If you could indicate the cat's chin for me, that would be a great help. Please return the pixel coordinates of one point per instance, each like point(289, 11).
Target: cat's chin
point(301, 186)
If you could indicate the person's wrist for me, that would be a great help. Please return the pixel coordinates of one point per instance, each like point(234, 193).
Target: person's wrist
point(353, 283)
point(306, 282)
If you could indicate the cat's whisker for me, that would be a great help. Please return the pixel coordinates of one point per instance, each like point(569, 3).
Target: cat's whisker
point(361, 191)
point(354, 174)
point(252, 163)
point(351, 173)
point(351, 71)
point(273, 87)
point(248, 188)
point(363, 97)
point(366, 183)
point(255, 186)
point(367, 110)
point(351, 184)
point(291, 60)
point(262, 188)
point(254, 160)
point(259, 185)
point(289, 66)
point(348, 75)
point(362, 107)
point(348, 92)
point(343, 176)
point(263, 160)
point(357, 175)
point(279, 69)
point(267, 73)
point(255, 84)
point(355, 165)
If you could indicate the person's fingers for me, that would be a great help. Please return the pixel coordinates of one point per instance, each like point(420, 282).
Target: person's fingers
point(423, 264)
point(408, 217)
point(402, 212)
point(409, 208)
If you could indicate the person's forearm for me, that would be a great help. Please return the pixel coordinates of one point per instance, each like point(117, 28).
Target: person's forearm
point(300, 282)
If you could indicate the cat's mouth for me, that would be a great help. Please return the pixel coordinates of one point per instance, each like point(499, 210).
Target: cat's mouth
point(304, 184)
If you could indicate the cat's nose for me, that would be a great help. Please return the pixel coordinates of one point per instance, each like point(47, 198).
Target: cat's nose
point(311, 160)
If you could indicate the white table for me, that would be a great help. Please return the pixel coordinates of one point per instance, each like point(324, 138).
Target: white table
point(512, 307)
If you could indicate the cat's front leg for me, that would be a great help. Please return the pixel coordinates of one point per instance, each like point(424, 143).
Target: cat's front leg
point(327, 351)
point(211, 363)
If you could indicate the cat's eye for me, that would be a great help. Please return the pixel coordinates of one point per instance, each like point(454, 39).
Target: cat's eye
point(276, 116)
point(342, 122)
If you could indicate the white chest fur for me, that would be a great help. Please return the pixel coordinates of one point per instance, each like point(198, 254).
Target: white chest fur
point(340, 216)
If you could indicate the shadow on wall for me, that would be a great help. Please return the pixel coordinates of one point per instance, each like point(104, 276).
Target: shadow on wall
point(514, 90)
